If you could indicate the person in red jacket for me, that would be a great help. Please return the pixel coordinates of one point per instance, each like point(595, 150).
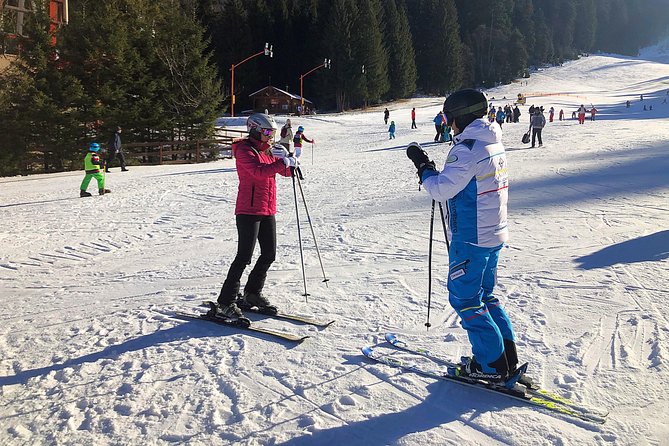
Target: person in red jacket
point(581, 114)
point(413, 118)
point(593, 112)
point(257, 165)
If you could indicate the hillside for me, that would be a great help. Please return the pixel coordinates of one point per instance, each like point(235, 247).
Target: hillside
point(90, 352)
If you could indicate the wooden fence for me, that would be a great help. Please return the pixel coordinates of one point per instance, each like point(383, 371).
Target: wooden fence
point(179, 152)
point(145, 153)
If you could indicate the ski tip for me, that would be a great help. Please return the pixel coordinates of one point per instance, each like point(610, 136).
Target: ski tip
point(391, 337)
point(367, 351)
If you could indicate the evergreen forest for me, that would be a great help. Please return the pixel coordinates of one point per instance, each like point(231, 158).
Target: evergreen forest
point(161, 68)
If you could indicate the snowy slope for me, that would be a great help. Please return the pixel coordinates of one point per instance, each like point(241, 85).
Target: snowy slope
point(89, 352)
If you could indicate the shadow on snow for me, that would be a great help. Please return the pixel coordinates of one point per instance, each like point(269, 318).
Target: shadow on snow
point(182, 332)
point(653, 247)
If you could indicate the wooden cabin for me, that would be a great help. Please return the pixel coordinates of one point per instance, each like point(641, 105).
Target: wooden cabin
point(278, 101)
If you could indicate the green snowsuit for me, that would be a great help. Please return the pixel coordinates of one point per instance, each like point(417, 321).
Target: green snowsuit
point(93, 170)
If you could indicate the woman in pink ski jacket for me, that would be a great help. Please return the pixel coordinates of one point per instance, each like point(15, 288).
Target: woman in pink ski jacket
point(257, 165)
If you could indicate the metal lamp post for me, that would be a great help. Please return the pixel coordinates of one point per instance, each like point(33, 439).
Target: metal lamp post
point(267, 51)
point(326, 64)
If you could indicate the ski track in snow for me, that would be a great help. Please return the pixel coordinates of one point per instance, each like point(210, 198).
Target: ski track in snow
point(90, 352)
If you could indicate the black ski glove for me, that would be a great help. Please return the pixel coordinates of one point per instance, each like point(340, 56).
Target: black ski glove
point(420, 160)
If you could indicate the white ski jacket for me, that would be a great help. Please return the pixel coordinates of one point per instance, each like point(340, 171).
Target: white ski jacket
point(474, 184)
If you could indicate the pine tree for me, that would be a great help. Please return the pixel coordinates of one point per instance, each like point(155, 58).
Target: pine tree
point(338, 30)
point(585, 25)
point(193, 94)
point(39, 102)
point(369, 50)
point(401, 57)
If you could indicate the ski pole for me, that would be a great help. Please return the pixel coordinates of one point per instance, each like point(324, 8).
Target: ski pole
point(313, 234)
point(299, 236)
point(443, 223)
point(429, 269)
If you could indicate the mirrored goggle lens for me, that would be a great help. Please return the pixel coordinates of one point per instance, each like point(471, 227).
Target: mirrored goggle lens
point(268, 132)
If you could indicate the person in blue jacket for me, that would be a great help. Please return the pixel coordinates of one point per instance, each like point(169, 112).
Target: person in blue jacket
point(439, 122)
point(499, 117)
point(391, 130)
point(474, 183)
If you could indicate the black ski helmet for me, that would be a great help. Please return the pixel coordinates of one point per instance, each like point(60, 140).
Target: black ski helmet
point(464, 106)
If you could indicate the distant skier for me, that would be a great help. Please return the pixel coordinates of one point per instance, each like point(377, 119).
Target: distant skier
point(298, 139)
point(386, 115)
point(286, 135)
point(446, 134)
point(551, 113)
point(537, 123)
point(500, 116)
point(561, 116)
point(593, 112)
point(115, 149)
point(516, 114)
point(413, 118)
point(473, 184)
point(391, 130)
point(93, 166)
point(439, 122)
point(581, 114)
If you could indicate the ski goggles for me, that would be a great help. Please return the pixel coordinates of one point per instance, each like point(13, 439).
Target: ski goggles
point(268, 132)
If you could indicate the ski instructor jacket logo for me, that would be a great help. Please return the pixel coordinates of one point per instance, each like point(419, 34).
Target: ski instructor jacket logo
point(256, 168)
point(475, 186)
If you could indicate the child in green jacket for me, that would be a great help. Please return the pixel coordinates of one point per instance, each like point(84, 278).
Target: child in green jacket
point(94, 169)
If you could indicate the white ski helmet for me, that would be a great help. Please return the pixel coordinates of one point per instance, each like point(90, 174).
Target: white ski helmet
point(258, 122)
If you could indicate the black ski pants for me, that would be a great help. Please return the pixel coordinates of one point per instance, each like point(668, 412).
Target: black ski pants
point(119, 154)
point(249, 229)
point(440, 130)
point(536, 133)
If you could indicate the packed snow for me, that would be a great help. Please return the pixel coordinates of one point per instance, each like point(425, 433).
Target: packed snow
point(91, 353)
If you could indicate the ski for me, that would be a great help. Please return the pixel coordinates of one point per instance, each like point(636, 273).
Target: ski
point(395, 341)
point(309, 320)
point(532, 388)
point(243, 324)
point(518, 392)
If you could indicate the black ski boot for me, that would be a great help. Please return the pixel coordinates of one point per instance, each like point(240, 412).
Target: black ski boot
point(512, 360)
point(103, 191)
point(470, 368)
point(251, 299)
point(511, 354)
point(230, 312)
point(83, 194)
